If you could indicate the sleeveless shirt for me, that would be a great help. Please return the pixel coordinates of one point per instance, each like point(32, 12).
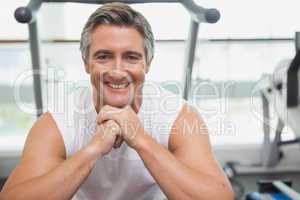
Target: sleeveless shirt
point(121, 174)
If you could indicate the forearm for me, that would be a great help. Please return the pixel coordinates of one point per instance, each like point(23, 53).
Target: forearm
point(177, 180)
point(61, 183)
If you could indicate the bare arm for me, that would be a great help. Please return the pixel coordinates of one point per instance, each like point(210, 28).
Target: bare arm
point(44, 172)
point(187, 170)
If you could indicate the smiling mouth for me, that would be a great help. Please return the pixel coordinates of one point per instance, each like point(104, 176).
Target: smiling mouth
point(117, 85)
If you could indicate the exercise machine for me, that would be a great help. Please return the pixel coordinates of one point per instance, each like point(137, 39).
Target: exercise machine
point(280, 90)
point(28, 15)
point(274, 190)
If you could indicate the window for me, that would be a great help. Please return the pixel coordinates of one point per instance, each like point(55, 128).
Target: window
point(14, 121)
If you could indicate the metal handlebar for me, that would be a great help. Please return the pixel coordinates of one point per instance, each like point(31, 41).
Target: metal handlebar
point(27, 14)
point(198, 14)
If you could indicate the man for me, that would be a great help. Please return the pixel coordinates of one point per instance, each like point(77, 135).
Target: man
point(118, 146)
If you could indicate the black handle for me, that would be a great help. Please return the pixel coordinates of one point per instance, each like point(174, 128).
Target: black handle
point(292, 77)
point(212, 15)
point(23, 15)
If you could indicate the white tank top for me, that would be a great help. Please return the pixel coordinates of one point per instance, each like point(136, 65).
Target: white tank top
point(121, 174)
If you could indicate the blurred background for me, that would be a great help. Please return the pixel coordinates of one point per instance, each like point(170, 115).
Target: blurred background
point(250, 39)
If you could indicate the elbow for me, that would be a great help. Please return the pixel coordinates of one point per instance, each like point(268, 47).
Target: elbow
point(224, 192)
point(7, 194)
point(3, 196)
point(229, 194)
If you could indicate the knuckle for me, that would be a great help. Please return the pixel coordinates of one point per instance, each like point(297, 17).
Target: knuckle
point(99, 118)
point(103, 110)
point(106, 108)
point(109, 123)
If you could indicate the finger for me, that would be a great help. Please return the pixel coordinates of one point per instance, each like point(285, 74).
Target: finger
point(112, 127)
point(103, 118)
point(127, 107)
point(118, 141)
point(108, 112)
point(108, 116)
point(106, 108)
point(100, 128)
point(104, 129)
point(104, 115)
point(109, 109)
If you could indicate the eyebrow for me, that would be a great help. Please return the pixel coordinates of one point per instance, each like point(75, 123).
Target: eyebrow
point(105, 51)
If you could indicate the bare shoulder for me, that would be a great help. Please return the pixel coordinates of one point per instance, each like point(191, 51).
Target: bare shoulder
point(43, 150)
point(188, 128)
point(45, 136)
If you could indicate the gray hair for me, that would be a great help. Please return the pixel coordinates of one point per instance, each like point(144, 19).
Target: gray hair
point(117, 14)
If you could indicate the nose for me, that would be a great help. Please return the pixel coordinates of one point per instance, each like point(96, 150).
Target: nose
point(116, 76)
point(116, 73)
point(118, 65)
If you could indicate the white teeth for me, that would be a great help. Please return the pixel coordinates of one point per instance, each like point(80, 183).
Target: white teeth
point(118, 86)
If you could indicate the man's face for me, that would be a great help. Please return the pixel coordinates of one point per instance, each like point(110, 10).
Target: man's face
point(116, 64)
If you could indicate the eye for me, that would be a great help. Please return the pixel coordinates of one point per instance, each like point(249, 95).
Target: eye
point(103, 57)
point(132, 58)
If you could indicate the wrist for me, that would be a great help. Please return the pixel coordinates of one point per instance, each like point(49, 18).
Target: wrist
point(93, 150)
point(88, 156)
point(143, 142)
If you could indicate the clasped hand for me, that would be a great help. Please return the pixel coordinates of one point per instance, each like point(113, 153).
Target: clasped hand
point(115, 125)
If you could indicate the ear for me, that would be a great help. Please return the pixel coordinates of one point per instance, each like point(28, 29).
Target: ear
point(148, 65)
point(86, 65)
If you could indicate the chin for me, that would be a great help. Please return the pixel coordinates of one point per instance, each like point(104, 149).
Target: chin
point(118, 102)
